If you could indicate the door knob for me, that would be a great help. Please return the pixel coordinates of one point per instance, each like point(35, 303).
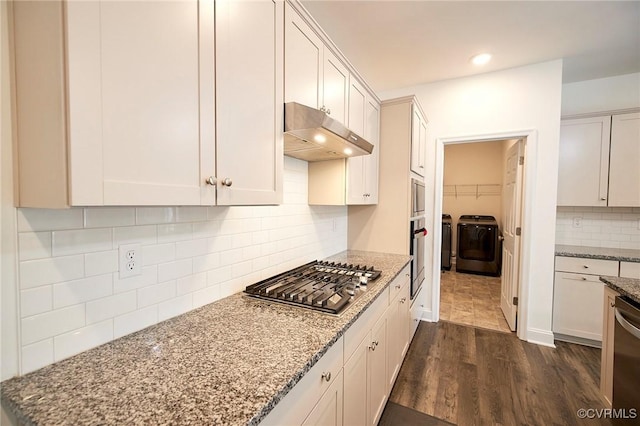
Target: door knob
point(226, 182)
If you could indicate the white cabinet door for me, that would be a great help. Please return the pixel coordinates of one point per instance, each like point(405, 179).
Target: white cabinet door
point(356, 398)
point(624, 162)
point(577, 305)
point(355, 180)
point(335, 87)
point(583, 164)
point(303, 61)
point(371, 162)
point(395, 320)
point(418, 141)
point(377, 371)
point(328, 411)
point(134, 77)
point(249, 78)
point(357, 104)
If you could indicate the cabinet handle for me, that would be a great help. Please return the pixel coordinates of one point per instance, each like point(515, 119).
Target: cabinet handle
point(422, 167)
point(612, 304)
point(226, 182)
point(372, 348)
point(328, 111)
point(585, 266)
point(211, 181)
point(326, 376)
point(404, 299)
point(603, 199)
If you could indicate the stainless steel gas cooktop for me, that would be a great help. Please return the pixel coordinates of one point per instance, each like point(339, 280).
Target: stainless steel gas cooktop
point(323, 286)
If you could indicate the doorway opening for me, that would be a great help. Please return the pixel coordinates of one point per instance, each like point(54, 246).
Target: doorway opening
point(481, 199)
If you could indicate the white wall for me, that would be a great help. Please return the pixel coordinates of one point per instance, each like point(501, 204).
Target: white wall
point(602, 94)
point(514, 100)
point(472, 164)
point(71, 297)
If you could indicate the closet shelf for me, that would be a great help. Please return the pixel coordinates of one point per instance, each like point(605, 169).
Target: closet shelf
point(472, 190)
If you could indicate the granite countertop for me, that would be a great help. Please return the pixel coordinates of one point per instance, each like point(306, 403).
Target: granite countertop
point(625, 255)
point(629, 287)
point(229, 362)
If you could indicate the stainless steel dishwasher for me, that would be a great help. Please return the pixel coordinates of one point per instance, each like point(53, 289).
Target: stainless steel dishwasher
point(626, 356)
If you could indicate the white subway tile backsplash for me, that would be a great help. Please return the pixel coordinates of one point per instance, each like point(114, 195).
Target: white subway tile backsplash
point(152, 215)
point(205, 296)
point(613, 227)
point(84, 338)
point(83, 290)
point(175, 307)
point(156, 293)
point(49, 324)
point(35, 273)
point(158, 253)
point(37, 355)
point(175, 232)
point(103, 217)
point(192, 248)
point(147, 234)
point(65, 243)
point(191, 283)
point(34, 245)
point(192, 256)
point(149, 276)
point(36, 301)
point(191, 214)
point(49, 219)
point(206, 262)
point(134, 321)
point(173, 270)
point(99, 263)
point(112, 306)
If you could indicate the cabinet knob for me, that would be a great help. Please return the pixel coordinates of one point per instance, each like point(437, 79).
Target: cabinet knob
point(422, 167)
point(404, 299)
point(226, 182)
point(406, 275)
point(328, 111)
point(585, 266)
point(372, 348)
point(603, 199)
point(612, 304)
point(398, 287)
point(211, 181)
point(326, 376)
point(584, 278)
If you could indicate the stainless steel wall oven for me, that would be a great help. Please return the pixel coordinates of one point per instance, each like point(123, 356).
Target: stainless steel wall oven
point(416, 249)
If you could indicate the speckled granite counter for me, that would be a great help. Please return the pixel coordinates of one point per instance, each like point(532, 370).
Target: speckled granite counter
point(629, 287)
point(625, 255)
point(228, 362)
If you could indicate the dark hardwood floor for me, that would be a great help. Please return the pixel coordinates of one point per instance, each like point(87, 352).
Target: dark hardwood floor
point(473, 376)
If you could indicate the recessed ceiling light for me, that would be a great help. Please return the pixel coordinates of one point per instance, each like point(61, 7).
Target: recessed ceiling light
point(348, 151)
point(481, 59)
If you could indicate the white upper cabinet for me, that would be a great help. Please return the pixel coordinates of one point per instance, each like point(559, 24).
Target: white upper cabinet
point(362, 171)
point(249, 84)
point(418, 140)
point(624, 161)
point(335, 87)
point(584, 162)
point(124, 97)
point(303, 61)
point(599, 162)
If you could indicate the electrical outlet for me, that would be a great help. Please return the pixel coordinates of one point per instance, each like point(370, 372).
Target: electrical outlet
point(130, 256)
point(577, 222)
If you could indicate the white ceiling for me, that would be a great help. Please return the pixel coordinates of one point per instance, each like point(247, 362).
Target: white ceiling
point(403, 43)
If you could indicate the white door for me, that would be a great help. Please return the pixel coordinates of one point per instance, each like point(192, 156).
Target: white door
point(512, 203)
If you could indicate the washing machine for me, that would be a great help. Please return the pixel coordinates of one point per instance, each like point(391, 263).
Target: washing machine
point(445, 253)
point(479, 245)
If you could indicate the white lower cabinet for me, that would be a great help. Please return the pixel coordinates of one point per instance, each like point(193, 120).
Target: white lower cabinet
point(350, 384)
point(328, 411)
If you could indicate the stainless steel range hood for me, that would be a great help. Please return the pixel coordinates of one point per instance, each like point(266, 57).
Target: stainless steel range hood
point(311, 135)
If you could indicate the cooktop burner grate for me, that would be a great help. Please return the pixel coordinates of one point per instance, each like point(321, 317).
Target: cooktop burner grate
point(319, 285)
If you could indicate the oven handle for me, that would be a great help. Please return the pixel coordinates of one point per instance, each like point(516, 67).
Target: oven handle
point(422, 231)
point(635, 331)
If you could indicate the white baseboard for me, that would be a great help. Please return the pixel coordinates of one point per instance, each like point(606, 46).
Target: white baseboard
point(427, 315)
point(540, 337)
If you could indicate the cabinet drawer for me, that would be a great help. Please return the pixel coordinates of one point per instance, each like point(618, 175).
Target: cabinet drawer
point(587, 266)
point(354, 335)
point(630, 270)
point(300, 401)
point(400, 281)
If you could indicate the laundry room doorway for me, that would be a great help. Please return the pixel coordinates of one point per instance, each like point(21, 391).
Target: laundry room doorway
point(481, 198)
